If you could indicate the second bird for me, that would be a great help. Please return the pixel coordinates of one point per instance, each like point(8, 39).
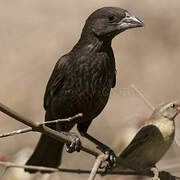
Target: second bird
point(154, 138)
point(81, 83)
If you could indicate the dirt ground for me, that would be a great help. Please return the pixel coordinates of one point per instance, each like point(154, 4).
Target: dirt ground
point(34, 34)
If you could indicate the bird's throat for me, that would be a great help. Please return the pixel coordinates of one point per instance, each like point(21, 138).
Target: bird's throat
point(90, 42)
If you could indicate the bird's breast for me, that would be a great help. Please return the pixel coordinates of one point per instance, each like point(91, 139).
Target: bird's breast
point(166, 127)
point(91, 75)
point(89, 83)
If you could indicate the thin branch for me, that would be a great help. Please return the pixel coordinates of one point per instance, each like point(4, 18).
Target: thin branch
point(143, 97)
point(19, 131)
point(29, 129)
point(73, 118)
point(62, 138)
point(77, 171)
point(95, 168)
point(45, 130)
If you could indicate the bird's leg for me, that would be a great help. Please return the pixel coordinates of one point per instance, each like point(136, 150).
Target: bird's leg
point(110, 155)
point(156, 173)
point(64, 129)
point(75, 144)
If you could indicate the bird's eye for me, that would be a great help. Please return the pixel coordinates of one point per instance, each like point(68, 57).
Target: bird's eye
point(173, 105)
point(111, 18)
point(127, 15)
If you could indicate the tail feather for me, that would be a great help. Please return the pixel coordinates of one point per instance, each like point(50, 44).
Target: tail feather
point(47, 153)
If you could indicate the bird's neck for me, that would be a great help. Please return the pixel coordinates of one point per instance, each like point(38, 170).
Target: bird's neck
point(88, 42)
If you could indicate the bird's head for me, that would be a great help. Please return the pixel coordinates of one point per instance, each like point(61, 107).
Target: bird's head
point(107, 22)
point(169, 110)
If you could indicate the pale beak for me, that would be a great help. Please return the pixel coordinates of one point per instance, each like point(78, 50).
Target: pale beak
point(130, 21)
point(133, 21)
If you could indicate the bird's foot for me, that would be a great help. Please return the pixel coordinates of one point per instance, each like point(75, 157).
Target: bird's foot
point(110, 158)
point(156, 173)
point(75, 144)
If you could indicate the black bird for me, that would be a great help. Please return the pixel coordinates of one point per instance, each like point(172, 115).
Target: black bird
point(81, 83)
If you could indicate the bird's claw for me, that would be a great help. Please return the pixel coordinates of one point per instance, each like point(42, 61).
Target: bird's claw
point(109, 160)
point(74, 146)
point(156, 173)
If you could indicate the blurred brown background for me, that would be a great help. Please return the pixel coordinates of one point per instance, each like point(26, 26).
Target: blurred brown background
point(34, 34)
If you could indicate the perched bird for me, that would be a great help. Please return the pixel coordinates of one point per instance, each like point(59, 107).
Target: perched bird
point(154, 138)
point(81, 83)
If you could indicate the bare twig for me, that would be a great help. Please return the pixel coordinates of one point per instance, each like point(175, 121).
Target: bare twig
point(29, 129)
point(62, 138)
point(11, 165)
point(143, 97)
point(19, 131)
point(44, 129)
point(96, 167)
point(73, 118)
point(77, 171)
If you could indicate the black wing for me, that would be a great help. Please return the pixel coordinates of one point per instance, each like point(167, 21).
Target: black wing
point(114, 80)
point(56, 81)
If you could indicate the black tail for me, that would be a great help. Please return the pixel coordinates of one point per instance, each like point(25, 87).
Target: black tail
point(47, 153)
